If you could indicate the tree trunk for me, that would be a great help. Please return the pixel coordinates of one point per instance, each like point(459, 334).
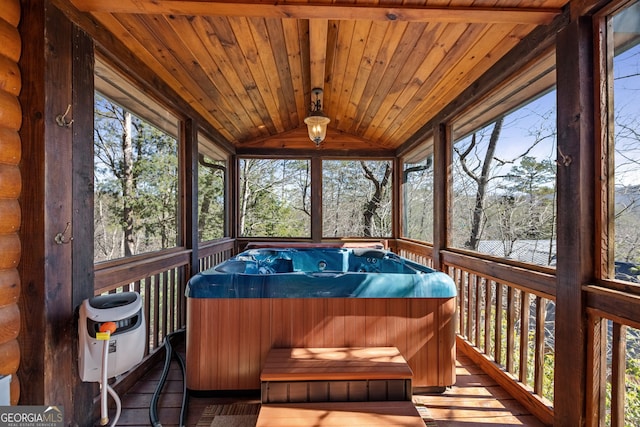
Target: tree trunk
point(483, 180)
point(127, 187)
point(374, 203)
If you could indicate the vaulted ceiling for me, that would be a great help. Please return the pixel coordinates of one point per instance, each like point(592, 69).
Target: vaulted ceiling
point(386, 67)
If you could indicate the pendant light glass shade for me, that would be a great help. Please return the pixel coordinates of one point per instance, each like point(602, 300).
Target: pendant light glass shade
point(317, 125)
point(316, 121)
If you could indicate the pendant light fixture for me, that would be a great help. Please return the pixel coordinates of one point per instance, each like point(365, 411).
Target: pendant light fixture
point(316, 121)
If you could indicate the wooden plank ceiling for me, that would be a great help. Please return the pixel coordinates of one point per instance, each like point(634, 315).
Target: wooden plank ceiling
point(386, 68)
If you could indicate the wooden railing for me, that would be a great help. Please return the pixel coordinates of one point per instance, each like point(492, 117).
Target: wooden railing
point(506, 315)
point(415, 251)
point(613, 333)
point(213, 253)
point(505, 322)
point(505, 319)
point(160, 279)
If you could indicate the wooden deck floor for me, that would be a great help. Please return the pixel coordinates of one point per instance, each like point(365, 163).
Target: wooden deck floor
point(475, 400)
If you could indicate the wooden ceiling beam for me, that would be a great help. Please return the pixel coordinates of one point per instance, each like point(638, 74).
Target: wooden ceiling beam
point(446, 14)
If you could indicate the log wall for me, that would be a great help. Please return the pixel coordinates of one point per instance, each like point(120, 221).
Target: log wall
point(229, 339)
point(10, 187)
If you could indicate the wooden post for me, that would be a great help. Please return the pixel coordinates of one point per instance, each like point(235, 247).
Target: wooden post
point(82, 281)
point(441, 205)
point(190, 189)
point(576, 211)
point(56, 271)
point(397, 200)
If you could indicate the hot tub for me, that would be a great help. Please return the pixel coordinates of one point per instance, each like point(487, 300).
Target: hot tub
point(272, 297)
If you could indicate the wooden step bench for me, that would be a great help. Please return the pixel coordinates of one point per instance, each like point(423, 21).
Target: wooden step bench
point(330, 414)
point(335, 375)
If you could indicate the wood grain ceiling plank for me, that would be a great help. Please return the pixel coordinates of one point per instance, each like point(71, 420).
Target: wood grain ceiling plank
point(272, 55)
point(455, 45)
point(349, 81)
point(225, 44)
point(401, 61)
point(338, 69)
point(122, 32)
point(489, 59)
point(244, 34)
point(514, 15)
point(484, 54)
point(277, 42)
point(393, 120)
point(296, 39)
point(428, 54)
point(374, 41)
point(190, 73)
point(433, 58)
point(207, 34)
point(318, 29)
point(220, 75)
point(383, 57)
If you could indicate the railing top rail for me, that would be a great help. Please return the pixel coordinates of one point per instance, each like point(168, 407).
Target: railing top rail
point(535, 282)
point(112, 275)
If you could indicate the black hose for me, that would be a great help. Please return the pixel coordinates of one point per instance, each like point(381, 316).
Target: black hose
point(153, 406)
point(184, 407)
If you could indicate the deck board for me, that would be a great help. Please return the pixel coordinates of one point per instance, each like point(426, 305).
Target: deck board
point(475, 400)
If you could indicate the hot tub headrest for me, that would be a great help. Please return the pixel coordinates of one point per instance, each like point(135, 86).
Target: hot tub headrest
point(232, 266)
point(369, 252)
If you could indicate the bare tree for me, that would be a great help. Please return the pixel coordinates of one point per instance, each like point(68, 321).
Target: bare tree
point(482, 179)
point(373, 204)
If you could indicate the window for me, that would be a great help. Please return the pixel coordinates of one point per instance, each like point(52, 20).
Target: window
point(504, 184)
point(136, 177)
point(274, 198)
point(212, 178)
point(136, 182)
point(417, 198)
point(356, 198)
point(625, 33)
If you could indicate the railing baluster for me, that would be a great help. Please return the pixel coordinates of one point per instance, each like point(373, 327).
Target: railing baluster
point(488, 284)
point(499, 318)
point(596, 383)
point(461, 296)
point(171, 308)
point(470, 297)
point(525, 304)
point(147, 313)
point(510, 328)
point(541, 308)
point(619, 364)
point(156, 310)
point(165, 304)
point(180, 298)
point(477, 285)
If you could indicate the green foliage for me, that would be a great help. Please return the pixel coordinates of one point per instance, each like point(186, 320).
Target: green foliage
point(274, 198)
point(136, 184)
point(211, 199)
